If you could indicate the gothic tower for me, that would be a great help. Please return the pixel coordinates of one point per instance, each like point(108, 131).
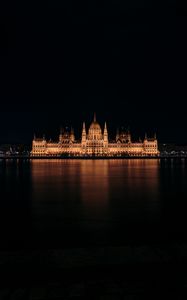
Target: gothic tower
point(128, 136)
point(83, 132)
point(117, 134)
point(105, 134)
point(72, 136)
point(61, 135)
point(83, 140)
point(105, 139)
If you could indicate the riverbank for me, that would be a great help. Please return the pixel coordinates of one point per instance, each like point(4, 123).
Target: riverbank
point(89, 158)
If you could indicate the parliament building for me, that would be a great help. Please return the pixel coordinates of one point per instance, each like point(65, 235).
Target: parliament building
point(94, 143)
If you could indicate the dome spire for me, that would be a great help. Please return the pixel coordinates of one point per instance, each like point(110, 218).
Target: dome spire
point(94, 117)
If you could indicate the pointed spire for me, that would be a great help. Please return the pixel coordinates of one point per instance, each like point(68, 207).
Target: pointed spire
point(145, 136)
point(105, 135)
point(34, 136)
point(84, 126)
point(83, 133)
point(155, 136)
point(72, 136)
point(84, 129)
point(94, 117)
point(105, 127)
point(62, 130)
point(105, 130)
point(117, 134)
point(72, 130)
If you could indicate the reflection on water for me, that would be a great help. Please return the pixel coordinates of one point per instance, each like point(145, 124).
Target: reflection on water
point(94, 182)
point(94, 187)
point(93, 201)
point(89, 196)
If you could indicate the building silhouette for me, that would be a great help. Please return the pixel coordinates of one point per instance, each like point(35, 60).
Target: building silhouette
point(94, 142)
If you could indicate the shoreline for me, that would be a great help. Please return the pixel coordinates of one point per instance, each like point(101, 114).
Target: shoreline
point(88, 158)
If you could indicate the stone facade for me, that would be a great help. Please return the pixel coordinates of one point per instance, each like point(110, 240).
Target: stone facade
point(95, 143)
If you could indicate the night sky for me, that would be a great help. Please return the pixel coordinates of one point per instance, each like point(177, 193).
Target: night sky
point(62, 61)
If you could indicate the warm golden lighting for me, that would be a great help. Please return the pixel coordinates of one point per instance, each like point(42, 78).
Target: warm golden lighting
point(95, 143)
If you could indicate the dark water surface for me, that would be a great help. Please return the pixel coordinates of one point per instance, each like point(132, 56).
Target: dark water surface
point(81, 203)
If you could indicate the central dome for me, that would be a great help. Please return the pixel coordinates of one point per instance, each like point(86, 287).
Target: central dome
point(95, 132)
point(95, 126)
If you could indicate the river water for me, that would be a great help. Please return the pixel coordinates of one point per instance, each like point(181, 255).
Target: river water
point(81, 203)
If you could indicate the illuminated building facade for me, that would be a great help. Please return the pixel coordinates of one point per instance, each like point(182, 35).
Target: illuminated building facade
point(95, 142)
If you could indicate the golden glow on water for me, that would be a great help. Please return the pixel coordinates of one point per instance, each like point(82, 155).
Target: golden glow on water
point(94, 200)
point(96, 181)
point(94, 193)
point(143, 174)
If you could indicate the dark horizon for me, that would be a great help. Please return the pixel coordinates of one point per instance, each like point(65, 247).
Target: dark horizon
point(63, 61)
point(24, 131)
